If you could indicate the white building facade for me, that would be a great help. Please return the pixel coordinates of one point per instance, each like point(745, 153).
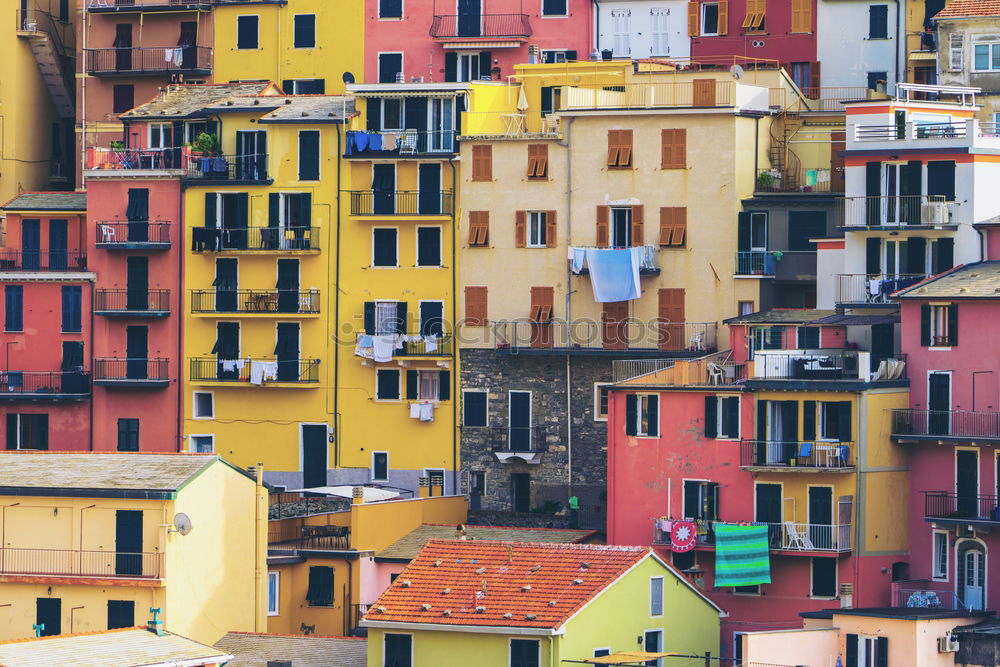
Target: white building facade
point(642, 28)
point(859, 42)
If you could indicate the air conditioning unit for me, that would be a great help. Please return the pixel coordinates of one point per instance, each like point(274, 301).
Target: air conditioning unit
point(934, 213)
point(947, 644)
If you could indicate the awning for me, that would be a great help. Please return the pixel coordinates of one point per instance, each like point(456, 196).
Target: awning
point(370, 494)
point(625, 658)
point(923, 55)
point(485, 44)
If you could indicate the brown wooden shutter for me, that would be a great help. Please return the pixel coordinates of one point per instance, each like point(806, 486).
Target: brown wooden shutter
point(520, 229)
point(541, 316)
point(671, 318)
point(673, 149)
point(703, 91)
point(538, 158)
point(532, 162)
point(482, 163)
point(638, 217)
point(694, 19)
point(723, 17)
point(479, 228)
point(603, 226)
point(673, 226)
point(614, 147)
point(475, 306)
point(814, 78)
point(550, 229)
point(625, 142)
point(680, 148)
point(614, 317)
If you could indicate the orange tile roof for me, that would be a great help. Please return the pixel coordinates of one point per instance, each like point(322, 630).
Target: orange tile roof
point(964, 8)
point(501, 584)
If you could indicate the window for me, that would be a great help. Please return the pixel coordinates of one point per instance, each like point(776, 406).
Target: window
point(475, 408)
point(390, 9)
point(428, 246)
point(468, 65)
point(479, 229)
point(802, 16)
point(940, 554)
point(601, 652)
point(823, 583)
point(835, 421)
point(602, 395)
point(202, 444)
point(659, 31)
point(128, 435)
point(380, 466)
point(247, 28)
point(673, 226)
point(64, 10)
point(304, 86)
point(878, 22)
point(390, 68)
point(524, 653)
point(309, 155)
point(397, 650)
point(754, 19)
point(805, 225)
point(320, 591)
point(620, 18)
point(807, 338)
point(722, 417)
point(866, 651)
point(619, 149)
point(482, 163)
point(387, 384)
point(13, 308)
point(273, 589)
point(956, 52)
point(938, 325)
point(766, 338)
point(204, 405)
point(27, 431)
point(701, 500)
point(477, 483)
point(72, 314)
point(554, 7)
point(536, 229)
point(747, 590)
point(123, 98)
point(709, 18)
point(656, 596)
point(476, 307)
point(673, 149)
point(558, 56)
point(538, 162)
point(427, 385)
point(642, 415)
point(305, 31)
point(385, 317)
point(745, 307)
point(385, 247)
point(986, 57)
point(121, 614)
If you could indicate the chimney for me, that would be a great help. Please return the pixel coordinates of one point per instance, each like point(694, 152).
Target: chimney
point(155, 625)
point(358, 495)
point(425, 487)
point(533, 58)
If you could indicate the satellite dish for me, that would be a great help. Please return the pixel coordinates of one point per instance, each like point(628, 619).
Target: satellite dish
point(736, 71)
point(182, 524)
point(348, 77)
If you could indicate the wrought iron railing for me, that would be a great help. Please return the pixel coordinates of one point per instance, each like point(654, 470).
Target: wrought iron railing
point(954, 423)
point(132, 301)
point(42, 260)
point(110, 369)
point(401, 202)
point(42, 383)
point(79, 563)
point(413, 344)
point(824, 180)
point(132, 233)
point(148, 59)
point(255, 301)
point(796, 455)
point(756, 263)
point(223, 239)
point(256, 371)
point(632, 334)
point(927, 598)
point(971, 506)
point(873, 288)
point(448, 26)
point(121, 158)
point(250, 167)
point(510, 438)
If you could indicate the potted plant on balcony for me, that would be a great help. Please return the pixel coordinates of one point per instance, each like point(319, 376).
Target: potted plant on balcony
point(205, 149)
point(766, 180)
point(118, 150)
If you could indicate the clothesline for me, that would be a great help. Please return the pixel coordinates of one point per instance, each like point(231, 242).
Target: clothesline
point(380, 347)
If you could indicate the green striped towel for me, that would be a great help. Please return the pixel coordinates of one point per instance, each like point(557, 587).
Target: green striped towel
point(741, 555)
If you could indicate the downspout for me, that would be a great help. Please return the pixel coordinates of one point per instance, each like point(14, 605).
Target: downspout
point(982, 244)
point(454, 330)
point(91, 345)
point(900, 18)
point(569, 277)
point(756, 146)
point(83, 106)
point(336, 312)
point(180, 323)
point(260, 550)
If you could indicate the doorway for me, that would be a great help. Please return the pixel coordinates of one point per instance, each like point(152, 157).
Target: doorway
point(128, 542)
point(967, 483)
point(314, 455)
point(137, 283)
point(48, 615)
point(768, 511)
point(821, 517)
point(429, 189)
point(287, 351)
point(939, 403)
point(383, 189)
point(520, 491)
point(136, 352)
point(58, 245)
point(251, 155)
point(972, 575)
point(288, 285)
point(123, 46)
point(469, 18)
point(226, 284)
point(30, 245)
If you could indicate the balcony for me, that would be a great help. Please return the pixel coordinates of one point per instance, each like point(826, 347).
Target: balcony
point(957, 134)
point(485, 26)
point(132, 303)
point(927, 211)
point(681, 339)
point(855, 290)
point(132, 234)
point(787, 536)
point(832, 98)
point(400, 143)
point(514, 125)
point(770, 456)
point(523, 443)
point(649, 263)
point(132, 6)
point(255, 372)
point(247, 168)
point(406, 345)
point(131, 373)
point(822, 365)
point(78, 563)
point(666, 92)
point(255, 239)
point(310, 538)
point(256, 301)
point(820, 181)
point(955, 425)
point(44, 385)
point(962, 508)
point(925, 593)
point(149, 60)
point(756, 263)
point(102, 161)
point(401, 202)
point(42, 260)
point(715, 370)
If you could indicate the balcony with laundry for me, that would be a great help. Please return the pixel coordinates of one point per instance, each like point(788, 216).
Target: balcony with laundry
point(125, 373)
point(124, 60)
point(230, 369)
point(786, 537)
point(387, 333)
point(867, 290)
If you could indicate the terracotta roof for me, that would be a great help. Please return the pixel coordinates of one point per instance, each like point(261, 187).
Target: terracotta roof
point(501, 584)
point(782, 316)
point(250, 649)
point(957, 9)
point(48, 201)
point(408, 546)
point(970, 281)
point(128, 647)
point(190, 100)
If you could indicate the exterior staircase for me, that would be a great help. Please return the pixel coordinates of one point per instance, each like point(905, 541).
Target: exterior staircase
point(43, 35)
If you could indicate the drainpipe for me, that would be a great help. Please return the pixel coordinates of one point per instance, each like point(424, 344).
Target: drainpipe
point(336, 312)
point(180, 321)
point(899, 45)
point(454, 330)
point(982, 244)
point(83, 106)
point(260, 548)
point(569, 277)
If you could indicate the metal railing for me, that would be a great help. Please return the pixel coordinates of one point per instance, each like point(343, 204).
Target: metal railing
point(78, 563)
point(132, 301)
point(953, 423)
point(400, 142)
point(42, 260)
point(41, 383)
point(626, 369)
point(686, 337)
point(447, 26)
point(832, 98)
point(37, 21)
point(255, 301)
point(99, 6)
point(756, 263)
point(126, 370)
point(971, 506)
point(876, 211)
point(512, 124)
point(224, 239)
point(132, 233)
point(510, 438)
point(823, 180)
point(668, 93)
point(713, 370)
point(401, 202)
point(795, 455)
point(649, 261)
point(412, 344)
point(148, 60)
point(114, 159)
point(873, 288)
point(358, 612)
point(927, 598)
point(247, 370)
point(785, 536)
point(822, 365)
point(909, 131)
point(336, 538)
point(243, 167)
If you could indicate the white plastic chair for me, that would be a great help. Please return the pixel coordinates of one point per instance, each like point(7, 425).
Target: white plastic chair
point(795, 539)
point(715, 374)
point(108, 234)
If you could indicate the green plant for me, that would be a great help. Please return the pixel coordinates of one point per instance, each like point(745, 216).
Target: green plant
point(117, 145)
point(766, 179)
point(549, 507)
point(207, 144)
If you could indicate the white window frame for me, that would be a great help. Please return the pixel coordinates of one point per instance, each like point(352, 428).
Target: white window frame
point(659, 44)
point(535, 232)
point(315, 31)
point(402, 12)
point(938, 323)
point(652, 600)
point(642, 407)
point(597, 401)
point(542, 14)
point(621, 39)
point(194, 405)
point(385, 266)
point(991, 46)
point(416, 246)
point(319, 162)
point(741, 305)
point(464, 70)
point(701, 19)
point(626, 213)
point(720, 419)
point(372, 469)
point(602, 648)
point(549, 56)
point(395, 316)
point(159, 127)
point(821, 435)
point(476, 391)
point(191, 442)
point(246, 16)
point(399, 375)
point(274, 609)
point(936, 572)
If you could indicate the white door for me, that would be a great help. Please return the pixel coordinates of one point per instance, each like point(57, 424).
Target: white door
point(974, 580)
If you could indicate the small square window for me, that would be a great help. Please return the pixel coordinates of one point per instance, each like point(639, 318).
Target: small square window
point(387, 384)
point(709, 18)
point(202, 444)
point(475, 408)
point(554, 7)
point(380, 466)
point(747, 590)
point(128, 435)
point(204, 405)
point(601, 396)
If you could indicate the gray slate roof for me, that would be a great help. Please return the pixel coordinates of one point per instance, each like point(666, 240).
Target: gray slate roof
point(409, 545)
point(131, 647)
point(48, 201)
point(782, 316)
point(254, 650)
point(190, 100)
point(312, 109)
point(971, 281)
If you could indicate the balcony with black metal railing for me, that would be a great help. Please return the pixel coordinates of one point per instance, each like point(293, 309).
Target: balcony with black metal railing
point(660, 338)
point(133, 6)
point(44, 261)
point(954, 425)
point(873, 289)
point(820, 180)
point(401, 202)
point(256, 302)
point(482, 26)
point(148, 60)
point(402, 143)
point(814, 456)
point(132, 302)
point(756, 263)
point(415, 344)
point(80, 563)
point(506, 442)
point(963, 508)
point(255, 371)
point(132, 234)
point(123, 372)
point(244, 168)
point(787, 536)
point(70, 385)
point(255, 239)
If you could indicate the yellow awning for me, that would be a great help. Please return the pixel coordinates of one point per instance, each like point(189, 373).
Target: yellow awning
point(626, 658)
point(923, 55)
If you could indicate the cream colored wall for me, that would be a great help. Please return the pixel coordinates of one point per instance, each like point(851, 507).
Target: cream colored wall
point(805, 647)
point(910, 642)
point(375, 526)
point(294, 610)
point(84, 607)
